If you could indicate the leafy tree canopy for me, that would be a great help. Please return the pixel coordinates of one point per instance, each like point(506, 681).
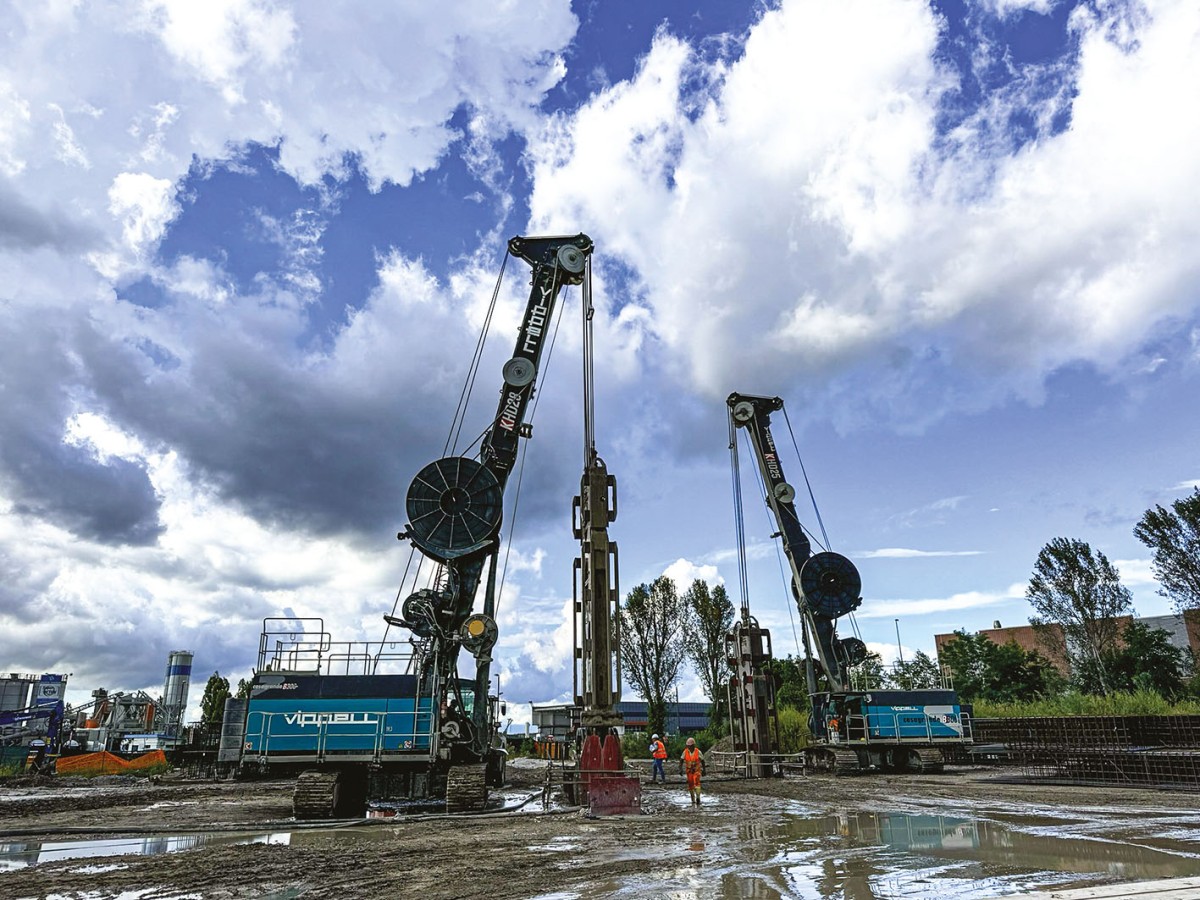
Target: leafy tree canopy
point(916, 673)
point(1080, 592)
point(652, 646)
point(212, 704)
point(1147, 661)
point(985, 671)
point(709, 619)
point(1174, 536)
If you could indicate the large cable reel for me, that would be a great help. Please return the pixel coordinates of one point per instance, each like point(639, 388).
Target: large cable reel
point(454, 506)
point(830, 584)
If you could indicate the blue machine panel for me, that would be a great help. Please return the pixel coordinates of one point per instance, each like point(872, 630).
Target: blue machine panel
point(907, 716)
point(303, 715)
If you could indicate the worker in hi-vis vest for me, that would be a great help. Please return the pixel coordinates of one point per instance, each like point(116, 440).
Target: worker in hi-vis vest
point(692, 764)
point(658, 750)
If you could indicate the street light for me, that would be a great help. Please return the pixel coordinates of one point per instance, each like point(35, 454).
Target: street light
point(899, 646)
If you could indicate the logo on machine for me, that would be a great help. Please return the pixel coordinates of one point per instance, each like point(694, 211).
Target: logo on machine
point(304, 719)
point(770, 458)
point(537, 322)
point(512, 404)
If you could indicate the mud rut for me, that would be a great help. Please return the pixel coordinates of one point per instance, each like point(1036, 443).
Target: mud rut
point(521, 855)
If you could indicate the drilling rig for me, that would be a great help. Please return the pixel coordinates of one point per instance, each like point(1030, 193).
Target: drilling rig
point(853, 730)
point(428, 733)
point(598, 777)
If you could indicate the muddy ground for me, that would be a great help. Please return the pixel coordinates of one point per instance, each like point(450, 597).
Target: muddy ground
point(965, 833)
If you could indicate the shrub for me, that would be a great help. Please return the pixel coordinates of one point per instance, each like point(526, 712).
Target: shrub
point(1073, 703)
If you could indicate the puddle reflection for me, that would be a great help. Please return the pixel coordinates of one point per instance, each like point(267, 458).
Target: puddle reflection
point(21, 854)
point(873, 856)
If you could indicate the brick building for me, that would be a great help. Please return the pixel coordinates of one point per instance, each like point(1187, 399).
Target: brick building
point(1183, 629)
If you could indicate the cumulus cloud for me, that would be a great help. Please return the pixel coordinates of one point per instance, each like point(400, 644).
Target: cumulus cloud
point(883, 609)
point(242, 429)
point(842, 236)
point(908, 553)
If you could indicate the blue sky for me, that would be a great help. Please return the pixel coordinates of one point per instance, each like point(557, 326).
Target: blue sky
point(247, 246)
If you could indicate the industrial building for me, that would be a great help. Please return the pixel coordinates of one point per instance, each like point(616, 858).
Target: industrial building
point(558, 721)
point(34, 716)
point(1184, 630)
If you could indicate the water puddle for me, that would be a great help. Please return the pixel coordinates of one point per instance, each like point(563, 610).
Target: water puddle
point(888, 856)
point(932, 855)
point(20, 854)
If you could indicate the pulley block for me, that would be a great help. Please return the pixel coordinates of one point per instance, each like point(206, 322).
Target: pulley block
point(478, 633)
point(571, 258)
point(784, 492)
point(454, 506)
point(854, 651)
point(743, 412)
point(830, 584)
point(420, 611)
point(518, 372)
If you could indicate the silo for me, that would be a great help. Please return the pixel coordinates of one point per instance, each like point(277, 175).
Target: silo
point(175, 691)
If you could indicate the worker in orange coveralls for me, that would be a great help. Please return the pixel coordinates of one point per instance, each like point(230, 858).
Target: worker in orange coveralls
point(658, 750)
point(692, 765)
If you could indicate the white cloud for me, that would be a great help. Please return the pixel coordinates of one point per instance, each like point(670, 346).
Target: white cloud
point(886, 609)
point(836, 238)
point(905, 553)
point(683, 572)
point(1135, 572)
point(1007, 8)
point(144, 205)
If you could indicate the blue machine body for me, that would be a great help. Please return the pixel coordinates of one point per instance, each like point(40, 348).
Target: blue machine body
point(321, 717)
point(924, 716)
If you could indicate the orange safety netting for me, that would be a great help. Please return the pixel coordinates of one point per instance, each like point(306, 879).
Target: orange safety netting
point(105, 763)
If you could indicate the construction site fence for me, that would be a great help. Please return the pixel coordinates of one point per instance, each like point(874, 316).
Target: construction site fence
point(751, 765)
point(553, 749)
point(1136, 750)
point(105, 763)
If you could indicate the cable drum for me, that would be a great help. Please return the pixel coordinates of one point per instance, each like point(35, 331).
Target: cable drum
point(831, 584)
point(454, 506)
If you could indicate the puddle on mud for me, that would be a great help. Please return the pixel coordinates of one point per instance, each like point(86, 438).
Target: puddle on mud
point(932, 855)
point(20, 854)
point(881, 856)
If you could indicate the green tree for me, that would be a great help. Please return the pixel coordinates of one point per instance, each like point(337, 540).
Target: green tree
point(212, 704)
point(868, 675)
point(1081, 593)
point(243, 689)
point(1020, 675)
point(967, 657)
point(652, 646)
point(1174, 536)
point(1147, 660)
point(709, 619)
point(983, 670)
point(918, 673)
point(790, 690)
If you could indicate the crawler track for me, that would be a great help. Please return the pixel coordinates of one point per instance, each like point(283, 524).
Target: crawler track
point(466, 788)
point(316, 795)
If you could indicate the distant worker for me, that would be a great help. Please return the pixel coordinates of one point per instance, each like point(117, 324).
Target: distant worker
point(692, 765)
point(658, 750)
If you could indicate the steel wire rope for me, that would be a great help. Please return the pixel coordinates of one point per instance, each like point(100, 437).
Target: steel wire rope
point(787, 584)
point(395, 605)
point(464, 398)
point(537, 396)
point(456, 423)
point(807, 483)
point(828, 545)
point(739, 519)
point(589, 369)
